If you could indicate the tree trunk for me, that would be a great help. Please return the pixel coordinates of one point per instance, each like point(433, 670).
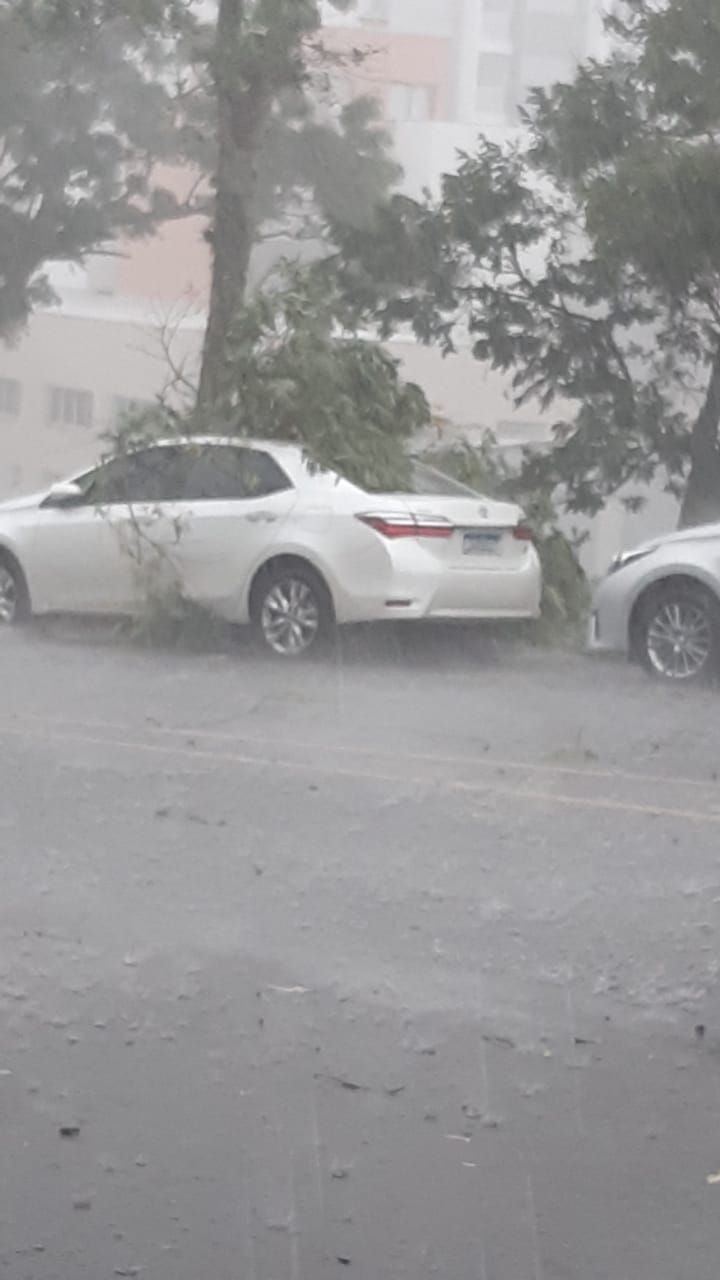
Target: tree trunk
point(701, 504)
point(243, 107)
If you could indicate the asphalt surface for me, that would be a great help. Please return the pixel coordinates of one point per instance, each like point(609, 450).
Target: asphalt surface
point(399, 964)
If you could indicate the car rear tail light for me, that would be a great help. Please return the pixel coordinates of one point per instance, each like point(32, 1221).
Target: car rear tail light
point(394, 525)
point(523, 533)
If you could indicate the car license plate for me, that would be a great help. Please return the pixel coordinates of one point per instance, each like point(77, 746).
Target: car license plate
point(481, 542)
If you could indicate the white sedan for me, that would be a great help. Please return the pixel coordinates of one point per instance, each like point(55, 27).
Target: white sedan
point(249, 531)
point(660, 605)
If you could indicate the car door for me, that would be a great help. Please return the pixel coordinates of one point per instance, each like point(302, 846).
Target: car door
point(235, 506)
point(95, 555)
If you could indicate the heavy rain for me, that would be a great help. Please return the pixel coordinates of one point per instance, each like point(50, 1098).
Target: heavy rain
point(360, 639)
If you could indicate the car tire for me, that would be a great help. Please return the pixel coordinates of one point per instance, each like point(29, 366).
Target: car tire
point(14, 595)
point(678, 634)
point(291, 611)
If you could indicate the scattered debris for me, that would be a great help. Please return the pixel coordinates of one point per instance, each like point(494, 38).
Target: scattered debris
point(457, 1137)
point(491, 1121)
point(289, 991)
point(532, 1089)
point(69, 1130)
point(472, 1112)
point(201, 821)
point(502, 1042)
point(352, 1086)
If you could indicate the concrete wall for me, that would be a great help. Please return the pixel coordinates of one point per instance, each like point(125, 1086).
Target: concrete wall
point(120, 357)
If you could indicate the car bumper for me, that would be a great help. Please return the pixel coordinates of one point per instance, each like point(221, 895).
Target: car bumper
point(608, 630)
point(416, 592)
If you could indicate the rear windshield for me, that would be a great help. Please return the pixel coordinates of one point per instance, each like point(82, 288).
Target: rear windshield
point(430, 481)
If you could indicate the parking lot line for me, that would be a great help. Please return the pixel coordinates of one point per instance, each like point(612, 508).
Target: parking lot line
point(316, 768)
point(493, 764)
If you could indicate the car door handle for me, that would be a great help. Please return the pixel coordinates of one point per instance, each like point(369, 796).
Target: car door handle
point(256, 517)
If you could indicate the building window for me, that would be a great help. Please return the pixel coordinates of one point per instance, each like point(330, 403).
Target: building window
point(494, 83)
point(498, 21)
point(410, 102)
point(551, 35)
point(10, 397)
point(71, 407)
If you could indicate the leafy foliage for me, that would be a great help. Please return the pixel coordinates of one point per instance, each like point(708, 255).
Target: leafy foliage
point(94, 94)
point(294, 376)
point(584, 261)
point(84, 117)
point(318, 169)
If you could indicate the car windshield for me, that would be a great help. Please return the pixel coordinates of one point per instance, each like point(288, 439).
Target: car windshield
point(360, 703)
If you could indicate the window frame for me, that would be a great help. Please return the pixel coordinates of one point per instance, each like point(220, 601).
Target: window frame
point(285, 485)
point(58, 400)
point(10, 397)
point(181, 451)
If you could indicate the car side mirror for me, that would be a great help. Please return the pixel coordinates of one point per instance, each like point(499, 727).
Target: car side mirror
point(64, 494)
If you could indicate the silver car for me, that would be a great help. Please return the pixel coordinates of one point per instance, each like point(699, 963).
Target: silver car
point(660, 604)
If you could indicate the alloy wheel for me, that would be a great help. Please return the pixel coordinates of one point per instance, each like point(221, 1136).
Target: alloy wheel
point(679, 639)
point(290, 619)
point(8, 596)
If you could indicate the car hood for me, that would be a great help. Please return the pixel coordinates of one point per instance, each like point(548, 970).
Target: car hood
point(698, 533)
point(26, 503)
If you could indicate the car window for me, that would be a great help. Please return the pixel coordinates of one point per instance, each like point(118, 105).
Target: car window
point(426, 480)
point(223, 472)
point(149, 475)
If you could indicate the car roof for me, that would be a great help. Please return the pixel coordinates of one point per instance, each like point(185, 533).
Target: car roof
point(237, 442)
point(288, 455)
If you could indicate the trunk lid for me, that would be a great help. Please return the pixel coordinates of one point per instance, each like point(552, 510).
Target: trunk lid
point(483, 530)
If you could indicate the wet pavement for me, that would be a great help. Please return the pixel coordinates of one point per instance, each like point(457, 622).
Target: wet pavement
point(399, 964)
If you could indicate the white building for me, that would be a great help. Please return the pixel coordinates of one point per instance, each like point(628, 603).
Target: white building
point(446, 70)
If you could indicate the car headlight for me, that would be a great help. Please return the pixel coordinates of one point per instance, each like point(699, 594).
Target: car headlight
point(625, 558)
